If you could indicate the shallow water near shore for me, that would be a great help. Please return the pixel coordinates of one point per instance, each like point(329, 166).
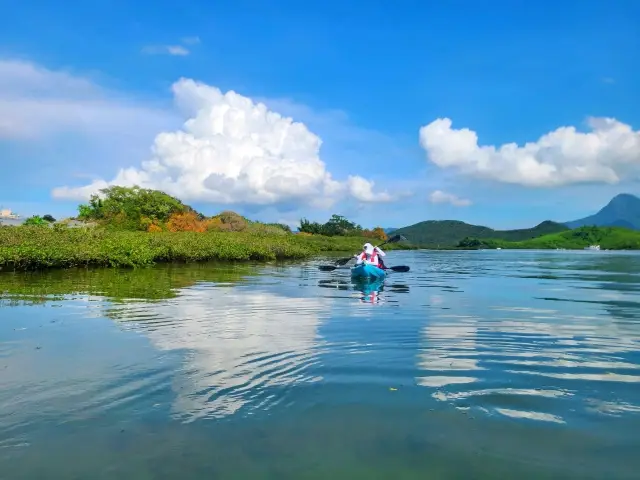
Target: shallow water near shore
point(477, 364)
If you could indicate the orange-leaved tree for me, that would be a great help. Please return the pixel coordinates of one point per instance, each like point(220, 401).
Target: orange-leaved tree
point(377, 233)
point(228, 221)
point(186, 222)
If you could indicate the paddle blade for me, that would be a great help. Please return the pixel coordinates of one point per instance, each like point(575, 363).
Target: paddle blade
point(395, 238)
point(400, 268)
point(327, 268)
point(343, 261)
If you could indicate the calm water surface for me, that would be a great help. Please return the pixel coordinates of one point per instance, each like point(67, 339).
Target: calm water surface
point(494, 364)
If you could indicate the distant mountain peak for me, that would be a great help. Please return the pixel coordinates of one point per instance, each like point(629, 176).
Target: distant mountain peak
point(546, 223)
point(623, 199)
point(622, 210)
point(622, 196)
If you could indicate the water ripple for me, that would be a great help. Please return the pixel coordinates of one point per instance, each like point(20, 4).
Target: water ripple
point(513, 338)
point(526, 336)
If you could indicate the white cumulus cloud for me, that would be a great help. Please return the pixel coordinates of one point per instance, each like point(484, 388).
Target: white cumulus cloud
point(609, 153)
point(176, 50)
point(232, 150)
point(438, 196)
point(362, 189)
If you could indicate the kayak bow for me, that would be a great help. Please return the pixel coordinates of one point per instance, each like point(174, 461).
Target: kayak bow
point(368, 271)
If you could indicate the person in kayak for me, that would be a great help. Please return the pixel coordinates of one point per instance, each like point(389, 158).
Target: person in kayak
point(371, 255)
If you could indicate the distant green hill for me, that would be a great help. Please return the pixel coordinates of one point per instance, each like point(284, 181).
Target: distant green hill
point(609, 238)
point(447, 233)
point(622, 211)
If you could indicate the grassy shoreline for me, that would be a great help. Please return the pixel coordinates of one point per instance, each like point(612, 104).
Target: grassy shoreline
point(608, 238)
point(35, 248)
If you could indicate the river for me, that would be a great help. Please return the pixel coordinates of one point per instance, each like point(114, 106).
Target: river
point(480, 364)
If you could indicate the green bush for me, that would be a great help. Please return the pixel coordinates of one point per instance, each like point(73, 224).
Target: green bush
point(36, 220)
point(130, 208)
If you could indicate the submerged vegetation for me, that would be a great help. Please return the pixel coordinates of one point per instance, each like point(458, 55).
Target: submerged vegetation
point(134, 227)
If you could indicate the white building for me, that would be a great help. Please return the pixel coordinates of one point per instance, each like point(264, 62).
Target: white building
point(6, 213)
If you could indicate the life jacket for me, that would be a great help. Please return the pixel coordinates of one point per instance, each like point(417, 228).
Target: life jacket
point(374, 258)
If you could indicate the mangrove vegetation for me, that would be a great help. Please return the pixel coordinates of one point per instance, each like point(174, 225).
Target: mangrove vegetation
point(135, 227)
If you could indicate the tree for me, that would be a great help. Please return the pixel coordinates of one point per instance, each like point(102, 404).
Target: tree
point(377, 233)
point(131, 208)
point(185, 222)
point(313, 228)
point(470, 242)
point(85, 212)
point(35, 220)
point(48, 218)
point(337, 225)
point(228, 221)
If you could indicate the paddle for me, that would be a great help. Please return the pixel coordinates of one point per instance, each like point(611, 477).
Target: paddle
point(397, 268)
point(343, 261)
point(394, 239)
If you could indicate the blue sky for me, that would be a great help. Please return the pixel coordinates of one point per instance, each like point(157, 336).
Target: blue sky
point(86, 91)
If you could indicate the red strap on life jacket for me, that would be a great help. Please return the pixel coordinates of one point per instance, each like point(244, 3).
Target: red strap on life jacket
point(374, 256)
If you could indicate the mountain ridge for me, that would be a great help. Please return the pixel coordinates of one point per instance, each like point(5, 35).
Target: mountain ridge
point(447, 233)
point(623, 210)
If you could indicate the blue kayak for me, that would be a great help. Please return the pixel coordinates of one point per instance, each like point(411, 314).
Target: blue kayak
point(367, 271)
